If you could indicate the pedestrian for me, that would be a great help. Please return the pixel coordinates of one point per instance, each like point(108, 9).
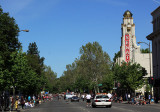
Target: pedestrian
point(16, 104)
point(83, 97)
point(88, 98)
point(29, 98)
point(129, 98)
point(120, 99)
point(132, 100)
point(67, 100)
point(109, 95)
point(149, 97)
point(22, 102)
point(12, 103)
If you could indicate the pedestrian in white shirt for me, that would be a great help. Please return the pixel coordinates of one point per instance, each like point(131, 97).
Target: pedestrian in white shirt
point(83, 97)
point(109, 95)
point(88, 100)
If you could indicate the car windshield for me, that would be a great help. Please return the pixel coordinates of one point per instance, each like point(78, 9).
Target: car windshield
point(101, 96)
point(74, 97)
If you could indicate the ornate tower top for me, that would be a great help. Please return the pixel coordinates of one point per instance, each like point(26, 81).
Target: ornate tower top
point(127, 14)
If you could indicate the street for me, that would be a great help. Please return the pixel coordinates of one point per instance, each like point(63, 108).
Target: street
point(63, 106)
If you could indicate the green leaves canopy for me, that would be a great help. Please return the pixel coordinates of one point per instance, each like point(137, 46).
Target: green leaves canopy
point(8, 43)
point(130, 76)
point(89, 70)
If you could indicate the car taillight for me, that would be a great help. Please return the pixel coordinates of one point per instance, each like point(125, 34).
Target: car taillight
point(109, 100)
point(97, 100)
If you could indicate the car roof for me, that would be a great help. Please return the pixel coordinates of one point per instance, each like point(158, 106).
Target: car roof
point(101, 96)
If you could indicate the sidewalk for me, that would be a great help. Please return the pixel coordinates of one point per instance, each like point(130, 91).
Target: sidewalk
point(158, 104)
point(19, 109)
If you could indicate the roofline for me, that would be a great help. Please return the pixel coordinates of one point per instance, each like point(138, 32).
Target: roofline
point(152, 35)
point(155, 10)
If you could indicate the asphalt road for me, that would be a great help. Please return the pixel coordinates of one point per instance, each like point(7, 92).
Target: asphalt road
point(63, 106)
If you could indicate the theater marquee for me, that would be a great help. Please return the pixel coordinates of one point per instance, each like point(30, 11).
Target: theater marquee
point(127, 48)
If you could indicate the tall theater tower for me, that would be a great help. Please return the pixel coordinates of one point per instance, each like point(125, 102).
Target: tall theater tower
point(128, 39)
point(129, 51)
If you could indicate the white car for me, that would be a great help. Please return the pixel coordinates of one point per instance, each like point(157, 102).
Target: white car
point(102, 100)
point(69, 96)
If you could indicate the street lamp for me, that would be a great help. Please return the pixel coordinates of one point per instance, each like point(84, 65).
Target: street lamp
point(149, 59)
point(25, 30)
point(14, 87)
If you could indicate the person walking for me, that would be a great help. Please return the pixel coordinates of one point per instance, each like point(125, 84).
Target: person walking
point(16, 104)
point(12, 103)
point(88, 100)
point(22, 102)
point(149, 97)
point(83, 97)
point(129, 98)
point(109, 95)
point(29, 98)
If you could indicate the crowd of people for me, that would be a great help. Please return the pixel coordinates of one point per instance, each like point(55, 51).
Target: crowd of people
point(23, 102)
point(134, 100)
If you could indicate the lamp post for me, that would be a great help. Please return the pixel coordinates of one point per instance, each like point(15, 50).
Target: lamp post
point(25, 30)
point(149, 60)
point(14, 87)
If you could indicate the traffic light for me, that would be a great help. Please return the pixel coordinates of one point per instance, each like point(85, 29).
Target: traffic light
point(150, 80)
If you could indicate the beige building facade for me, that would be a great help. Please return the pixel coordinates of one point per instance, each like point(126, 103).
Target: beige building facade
point(129, 50)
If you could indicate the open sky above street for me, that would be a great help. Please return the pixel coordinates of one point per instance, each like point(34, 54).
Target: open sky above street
point(61, 27)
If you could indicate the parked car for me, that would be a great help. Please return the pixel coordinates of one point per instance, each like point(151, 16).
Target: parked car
point(69, 96)
point(102, 100)
point(75, 99)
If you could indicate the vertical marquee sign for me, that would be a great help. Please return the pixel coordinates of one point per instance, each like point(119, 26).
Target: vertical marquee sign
point(127, 48)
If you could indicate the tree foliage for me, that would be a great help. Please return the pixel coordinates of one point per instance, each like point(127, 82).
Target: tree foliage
point(86, 72)
point(145, 50)
point(130, 76)
point(18, 70)
point(8, 43)
point(116, 56)
point(35, 61)
point(51, 78)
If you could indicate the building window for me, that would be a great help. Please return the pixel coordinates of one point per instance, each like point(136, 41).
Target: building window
point(128, 29)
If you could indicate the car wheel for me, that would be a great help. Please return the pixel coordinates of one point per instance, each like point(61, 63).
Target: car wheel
point(109, 106)
point(93, 106)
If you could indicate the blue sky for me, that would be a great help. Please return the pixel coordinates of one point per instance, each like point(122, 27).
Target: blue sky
point(61, 27)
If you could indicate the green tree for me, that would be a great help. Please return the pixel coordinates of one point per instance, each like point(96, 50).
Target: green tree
point(35, 61)
point(22, 77)
point(51, 78)
point(130, 76)
point(96, 63)
point(1, 74)
point(8, 43)
point(116, 56)
point(85, 73)
point(145, 50)
point(108, 82)
point(37, 64)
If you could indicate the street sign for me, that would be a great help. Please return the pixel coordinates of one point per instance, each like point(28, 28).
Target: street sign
point(99, 84)
point(115, 88)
